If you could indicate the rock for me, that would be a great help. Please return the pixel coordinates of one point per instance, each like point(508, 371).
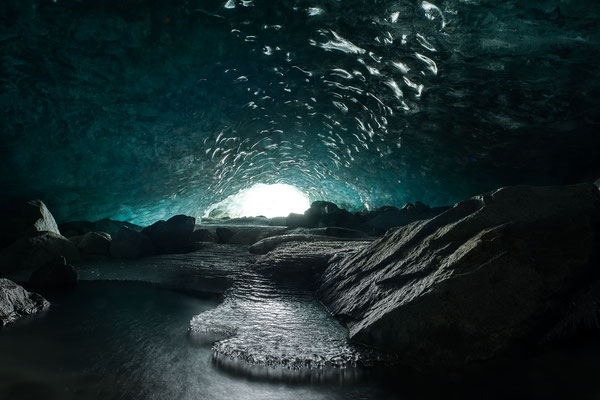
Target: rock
point(203, 235)
point(278, 221)
point(35, 251)
point(224, 234)
point(171, 236)
point(267, 244)
point(16, 302)
point(247, 235)
point(597, 183)
point(295, 220)
point(55, 274)
point(128, 243)
point(77, 228)
point(322, 214)
point(24, 218)
point(302, 261)
point(344, 233)
point(380, 220)
point(95, 243)
point(474, 281)
point(76, 239)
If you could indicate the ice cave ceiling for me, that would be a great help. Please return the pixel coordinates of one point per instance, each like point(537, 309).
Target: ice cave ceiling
point(139, 109)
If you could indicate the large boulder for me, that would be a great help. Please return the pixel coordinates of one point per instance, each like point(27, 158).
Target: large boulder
point(171, 236)
point(16, 302)
point(93, 243)
point(468, 284)
point(37, 250)
point(55, 274)
point(24, 218)
point(130, 244)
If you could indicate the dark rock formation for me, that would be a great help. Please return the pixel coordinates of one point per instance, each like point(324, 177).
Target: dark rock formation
point(322, 214)
point(380, 220)
point(128, 243)
point(224, 235)
point(37, 250)
point(344, 233)
point(303, 260)
point(93, 243)
point(77, 228)
point(267, 244)
point(171, 236)
point(55, 274)
point(467, 285)
point(24, 218)
point(204, 235)
point(325, 214)
point(16, 302)
point(247, 235)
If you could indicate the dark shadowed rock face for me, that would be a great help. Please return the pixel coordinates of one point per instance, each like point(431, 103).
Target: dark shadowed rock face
point(94, 243)
point(24, 218)
point(299, 260)
point(322, 214)
point(77, 228)
point(470, 283)
point(55, 274)
point(380, 220)
point(204, 235)
point(171, 236)
point(37, 250)
point(16, 302)
point(128, 243)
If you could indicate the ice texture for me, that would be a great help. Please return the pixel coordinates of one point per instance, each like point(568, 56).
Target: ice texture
point(138, 109)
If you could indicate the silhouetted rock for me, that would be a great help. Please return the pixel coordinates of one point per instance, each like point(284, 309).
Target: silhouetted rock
point(37, 250)
point(78, 228)
point(128, 243)
point(16, 302)
point(22, 218)
point(380, 220)
point(323, 214)
point(171, 236)
point(55, 274)
point(295, 220)
point(204, 235)
point(247, 235)
point(473, 281)
point(94, 243)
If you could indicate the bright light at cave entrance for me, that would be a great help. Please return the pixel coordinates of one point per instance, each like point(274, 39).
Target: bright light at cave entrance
point(276, 200)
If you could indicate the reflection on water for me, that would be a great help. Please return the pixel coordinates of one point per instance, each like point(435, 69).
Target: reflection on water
point(268, 324)
point(109, 340)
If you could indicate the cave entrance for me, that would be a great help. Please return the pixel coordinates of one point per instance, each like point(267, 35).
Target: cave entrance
point(275, 200)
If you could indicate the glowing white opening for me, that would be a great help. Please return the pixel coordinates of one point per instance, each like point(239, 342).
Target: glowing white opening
point(276, 200)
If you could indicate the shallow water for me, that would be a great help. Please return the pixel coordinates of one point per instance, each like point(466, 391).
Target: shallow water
point(127, 340)
point(130, 340)
point(261, 320)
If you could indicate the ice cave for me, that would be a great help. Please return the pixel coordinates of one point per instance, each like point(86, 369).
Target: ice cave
point(299, 199)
